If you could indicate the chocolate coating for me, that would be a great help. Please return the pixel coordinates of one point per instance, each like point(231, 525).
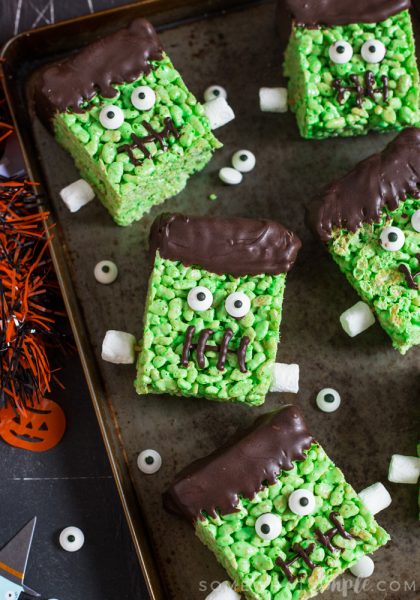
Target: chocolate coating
point(382, 180)
point(231, 245)
point(117, 58)
point(213, 484)
point(312, 13)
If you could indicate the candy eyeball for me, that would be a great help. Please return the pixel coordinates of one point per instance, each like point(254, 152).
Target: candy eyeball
point(10, 595)
point(200, 298)
point(341, 52)
point(392, 238)
point(302, 502)
point(415, 220)
point(214, 91)
point(111, 117)
point(143, 97)
point(149, 461)
point(268, 526)
point(105, 272)
point(72, 539)
point(243, 161)
point(328, 400)
point(373, 51)
point(237, 305)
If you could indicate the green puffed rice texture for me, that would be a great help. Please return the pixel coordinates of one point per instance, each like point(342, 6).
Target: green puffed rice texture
point(311, 73)
point(374, 272)
point(168, 315)
point(251, 561)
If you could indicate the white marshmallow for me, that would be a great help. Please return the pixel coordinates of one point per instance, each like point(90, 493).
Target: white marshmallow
point(77, 194)
point(404, 469)
point(230, 176)
point(218, 112)
point(285, 378)
point(375, 498)
point(273, 99)
point(118, 347)
point(357, 319)
point(363, 568)
point(223, 591)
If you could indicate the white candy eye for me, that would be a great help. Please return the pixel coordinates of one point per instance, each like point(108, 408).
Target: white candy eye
point(302, 502)
point(328, 400)
point(72, 539)
point(111, 117)
point(392, 238)
point(149, 461)
point(237, 305)
point(373, 51)
point(415, 220)
point(9, 596)
point(268, 526)
point(200, 298)
point(214, 91)
point(341, 52)
point(143, 97)
point(243, 161)
point(106, 271)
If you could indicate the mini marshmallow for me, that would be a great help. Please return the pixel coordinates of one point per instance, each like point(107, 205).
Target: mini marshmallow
point(357, 319)
point(218, 112)
point(404, 469)
point(273, 99)
point(118, 347)
point(363, 568)
point(285, 378)
point(230, 176)
point(375, 498)
point(77, 194)
point(223, 591)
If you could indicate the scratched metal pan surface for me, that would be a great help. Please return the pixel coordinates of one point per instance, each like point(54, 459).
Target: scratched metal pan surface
point(239, 49)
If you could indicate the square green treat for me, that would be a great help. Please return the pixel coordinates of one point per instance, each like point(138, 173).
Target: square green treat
point(285, 524)
point(123, 112)
point(352, 67)
point(214, 306)
point(370, 221)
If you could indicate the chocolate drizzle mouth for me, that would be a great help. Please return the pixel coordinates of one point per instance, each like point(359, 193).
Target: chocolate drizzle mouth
point(154, 136)
point(368, 90)
point(201, 347)
point(322, 538)
point(409, 276)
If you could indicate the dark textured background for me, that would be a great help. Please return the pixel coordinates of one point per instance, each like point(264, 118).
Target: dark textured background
point(72, 484)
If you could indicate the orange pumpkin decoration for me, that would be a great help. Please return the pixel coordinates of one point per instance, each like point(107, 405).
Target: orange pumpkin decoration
point(37, 429)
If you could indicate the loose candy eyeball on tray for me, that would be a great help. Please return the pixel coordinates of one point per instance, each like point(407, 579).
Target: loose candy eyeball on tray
point(328, 400)
point(106, 272)
point(363, 568)
point(149, 461)
point(72, 539)
point(243, 160)
point(214, 91)
point(230, 176)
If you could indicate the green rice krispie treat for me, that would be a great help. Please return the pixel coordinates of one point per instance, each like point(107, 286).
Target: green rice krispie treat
point(214, 306)
point(125, 115)
point(275, 510)
point(352, 67)
point(370, 221)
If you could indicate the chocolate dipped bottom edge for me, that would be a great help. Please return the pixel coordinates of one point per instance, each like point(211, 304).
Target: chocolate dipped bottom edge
point(315, 13)
point(382, 180)
point(225, 245)
point(214, 484)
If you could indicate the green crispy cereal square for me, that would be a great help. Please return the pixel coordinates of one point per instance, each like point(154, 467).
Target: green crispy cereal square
point(214, 306)
point(370, 220)
point(122, 110)
point(284, 523)
point(352, 69)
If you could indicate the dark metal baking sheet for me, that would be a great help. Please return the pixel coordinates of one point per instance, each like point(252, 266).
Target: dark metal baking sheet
point(380, 389)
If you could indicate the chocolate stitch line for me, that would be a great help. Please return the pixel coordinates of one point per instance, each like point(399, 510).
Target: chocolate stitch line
point(409, 276)
point(362, 91)
point(140, 142)
point(201, 347)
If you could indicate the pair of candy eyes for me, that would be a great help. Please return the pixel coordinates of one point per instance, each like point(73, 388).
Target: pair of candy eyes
point(301, 502)
point(372, 51)
point(393, 238)
point(142, 98)
point(237, 304)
